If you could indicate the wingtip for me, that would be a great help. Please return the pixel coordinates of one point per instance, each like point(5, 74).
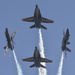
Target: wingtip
point(46, 28)
point(53, 21)
point(22, 59)
point(23, 19)
point(51, 61)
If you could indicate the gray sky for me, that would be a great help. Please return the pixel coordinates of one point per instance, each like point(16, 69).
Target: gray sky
point(11, 14)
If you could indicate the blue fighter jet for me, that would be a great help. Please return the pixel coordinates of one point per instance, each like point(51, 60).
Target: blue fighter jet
point(37, 19)
point(37, 59)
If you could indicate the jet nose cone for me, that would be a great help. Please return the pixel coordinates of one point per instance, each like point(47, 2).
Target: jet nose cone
point(36, 6)
point(67, 32)
point(6, 29)
point(35, 47)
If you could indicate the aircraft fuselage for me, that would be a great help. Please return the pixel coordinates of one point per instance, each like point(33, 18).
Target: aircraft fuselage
point(63, 44)
point(37, 58)
point(9, 43)
point(37, 17)
point(65, 40)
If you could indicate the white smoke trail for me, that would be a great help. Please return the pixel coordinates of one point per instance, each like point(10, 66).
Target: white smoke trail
point(42, 71)
point(61, 65)
point(19, 70)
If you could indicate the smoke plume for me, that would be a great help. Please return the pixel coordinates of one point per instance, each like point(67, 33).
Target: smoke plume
point(19, 70)
point(42, 71)
point(61, 65)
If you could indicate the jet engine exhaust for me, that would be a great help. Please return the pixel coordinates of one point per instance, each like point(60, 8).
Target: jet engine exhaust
point(19, 70)
point(42, 71)
point(61, 65)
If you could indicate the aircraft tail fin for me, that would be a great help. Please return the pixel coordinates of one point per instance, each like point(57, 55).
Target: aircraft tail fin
point(32, 66)
point(42, 66)
point(43, 27)
point(68, 49)
point(33, 26)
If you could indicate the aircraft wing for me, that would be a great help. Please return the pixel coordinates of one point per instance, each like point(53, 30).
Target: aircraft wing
point(31, 59)
point(45, 60)
point(13, 35)
point(30, 19)
point(44, 20)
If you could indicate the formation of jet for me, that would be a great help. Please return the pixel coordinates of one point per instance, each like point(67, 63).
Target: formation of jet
point(37, 18)
point(65, 41)
point(37, 59)
point(10, 42)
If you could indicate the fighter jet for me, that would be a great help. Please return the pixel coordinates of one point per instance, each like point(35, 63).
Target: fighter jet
point(37, 18)
point(37, 59)
point(65, 41)
point(10, 42)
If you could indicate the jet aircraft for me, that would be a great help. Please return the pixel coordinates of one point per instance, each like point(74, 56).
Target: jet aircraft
point(10, 42)
point(37, 59)
point(65, 41)
point(37, 18)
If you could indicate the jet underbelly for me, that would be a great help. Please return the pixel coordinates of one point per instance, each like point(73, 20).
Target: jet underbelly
point(63, 45)
point(37, 61)
point(10, 45)
point(38, 24)
point(8, 37)
point(37, 14)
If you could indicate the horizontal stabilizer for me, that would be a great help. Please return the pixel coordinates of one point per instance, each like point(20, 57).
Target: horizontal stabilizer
point(43, 27)
point(33, 26)
point(32, 66)
point(42, 66)
point(68, 43)
point(5, 47)
point(6, 50)
point(68, 49)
